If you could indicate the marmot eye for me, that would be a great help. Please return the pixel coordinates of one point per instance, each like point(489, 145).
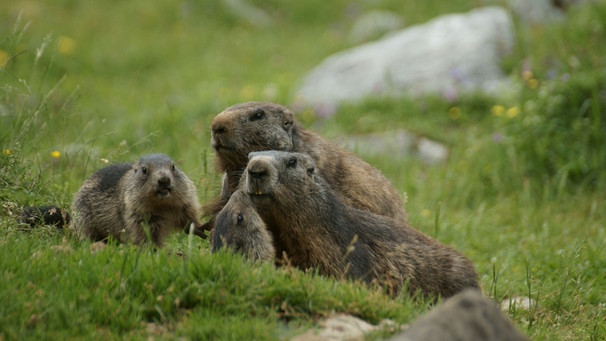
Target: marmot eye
point(173, 166)
point(144, 170)
point(292, 162)
point(310, 171)
point(240, 218)
point(257, 114)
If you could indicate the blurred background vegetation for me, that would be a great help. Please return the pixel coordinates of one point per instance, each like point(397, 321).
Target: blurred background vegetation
point(127, 78)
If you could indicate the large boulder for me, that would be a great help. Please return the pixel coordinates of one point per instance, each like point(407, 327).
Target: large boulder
point(446, 56)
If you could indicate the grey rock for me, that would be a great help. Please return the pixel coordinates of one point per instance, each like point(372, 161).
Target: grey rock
point(465, 316)
point(342, 327)
point(543, 11)
point(448, 55)
point(398, 145)
point(536, 11)
point(244, 11)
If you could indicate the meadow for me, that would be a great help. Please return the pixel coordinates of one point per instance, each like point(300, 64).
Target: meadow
point(83, 84)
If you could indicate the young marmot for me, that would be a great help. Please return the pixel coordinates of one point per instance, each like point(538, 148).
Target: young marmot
point(137, 202)
point(239, 228)
point(314, 228)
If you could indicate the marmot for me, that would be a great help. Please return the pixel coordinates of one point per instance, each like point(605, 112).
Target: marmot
point(137, 202)
point(240, 228)
point(44, 215)
point(258, 126)
point(315, 228)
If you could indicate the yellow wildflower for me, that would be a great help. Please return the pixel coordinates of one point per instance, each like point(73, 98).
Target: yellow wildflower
point(3, 58)
point(512, 112)
point(498, 110)
point(66, 45)
point(56, 154)
point(454, 113)
point(425, 213)
point(7, 152)
point(532, 83)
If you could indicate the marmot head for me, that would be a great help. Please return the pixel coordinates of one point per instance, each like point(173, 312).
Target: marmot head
point(250, 127)
point(239, 227)
point(280, 176)
point(156, 177)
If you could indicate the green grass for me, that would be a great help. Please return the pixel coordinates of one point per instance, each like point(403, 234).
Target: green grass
point(522, 194)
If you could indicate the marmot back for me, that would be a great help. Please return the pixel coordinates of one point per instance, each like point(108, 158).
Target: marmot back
point(136, 202)
point(258, 126)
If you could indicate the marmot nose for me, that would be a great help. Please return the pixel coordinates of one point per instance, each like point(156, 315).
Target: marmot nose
point(164, 181)
point(257, 173)
point(218, 129)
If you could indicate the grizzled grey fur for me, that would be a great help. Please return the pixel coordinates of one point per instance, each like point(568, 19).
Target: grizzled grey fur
point(137, 202)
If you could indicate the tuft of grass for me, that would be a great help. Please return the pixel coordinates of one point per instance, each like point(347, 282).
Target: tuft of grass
point(123, 289)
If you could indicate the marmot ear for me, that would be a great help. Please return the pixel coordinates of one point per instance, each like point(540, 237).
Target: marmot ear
point(289, 126)
point(289, 118)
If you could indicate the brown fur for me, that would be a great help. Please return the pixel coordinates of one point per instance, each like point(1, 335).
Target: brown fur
point(258, 126)
point(240, 228)
point(136, 202)
point(315, 228)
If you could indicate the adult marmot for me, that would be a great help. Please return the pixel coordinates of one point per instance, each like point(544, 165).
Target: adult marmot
point(315, 228)
point(137, 202)
point(258, 126)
